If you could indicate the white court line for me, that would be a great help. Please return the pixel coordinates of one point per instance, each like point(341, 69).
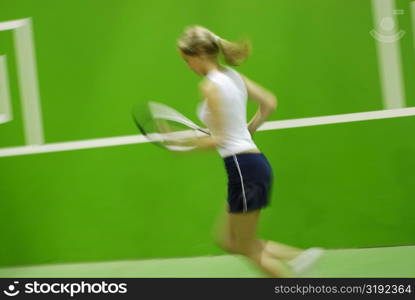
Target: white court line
point(28, 84)
point(5, 102)
point(4, 118)
point(76, 145)
point(387, 35)
point(413, 21)
point(10, 25)
point(28, 80)
point(272, 125)
point(344, 118)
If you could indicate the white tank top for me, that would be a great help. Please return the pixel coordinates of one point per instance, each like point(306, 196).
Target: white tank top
point(233, 97)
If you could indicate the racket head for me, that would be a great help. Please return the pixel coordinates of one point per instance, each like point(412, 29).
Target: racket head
point(163, 126)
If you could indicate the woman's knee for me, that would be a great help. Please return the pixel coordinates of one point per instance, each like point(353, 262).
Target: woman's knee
point(222, 235)
point(228, 244)
point(225, 244)
point(250, 248)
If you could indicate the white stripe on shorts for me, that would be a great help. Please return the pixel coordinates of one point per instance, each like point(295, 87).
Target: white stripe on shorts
point(242, 182)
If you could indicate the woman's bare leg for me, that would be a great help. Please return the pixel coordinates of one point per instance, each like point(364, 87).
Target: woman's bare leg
point(281, 251)
point(266, 262)
point(243, 228)
point(222, 236)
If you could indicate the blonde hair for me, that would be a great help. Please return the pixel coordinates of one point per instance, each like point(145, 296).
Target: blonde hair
point(198, 40)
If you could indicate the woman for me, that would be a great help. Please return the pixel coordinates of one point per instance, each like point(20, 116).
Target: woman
point(223, 111)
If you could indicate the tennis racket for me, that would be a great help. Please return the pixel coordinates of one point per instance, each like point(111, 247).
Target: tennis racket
point(165, 126)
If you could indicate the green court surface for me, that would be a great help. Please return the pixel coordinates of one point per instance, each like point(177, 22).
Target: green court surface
point(91, 204)
point(363, 262)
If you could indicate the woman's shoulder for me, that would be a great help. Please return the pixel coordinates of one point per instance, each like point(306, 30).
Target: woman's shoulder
point(235, 73)
point(207, 85)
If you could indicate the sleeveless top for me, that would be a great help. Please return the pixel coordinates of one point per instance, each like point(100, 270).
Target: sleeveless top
point(233, 101)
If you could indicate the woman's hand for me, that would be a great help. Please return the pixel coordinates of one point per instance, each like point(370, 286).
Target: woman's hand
point(197, 143)
point(267, 103)
point(251, 129)
point(200, 143)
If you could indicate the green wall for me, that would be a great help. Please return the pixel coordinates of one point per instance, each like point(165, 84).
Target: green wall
point(343, 185)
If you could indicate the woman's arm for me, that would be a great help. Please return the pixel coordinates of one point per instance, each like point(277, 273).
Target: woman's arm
point(267, 103)
point(211, 93)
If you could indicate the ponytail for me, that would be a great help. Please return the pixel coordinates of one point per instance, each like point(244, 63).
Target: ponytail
point(234, 53)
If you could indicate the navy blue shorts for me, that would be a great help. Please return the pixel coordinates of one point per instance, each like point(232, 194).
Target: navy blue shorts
point(249, 181)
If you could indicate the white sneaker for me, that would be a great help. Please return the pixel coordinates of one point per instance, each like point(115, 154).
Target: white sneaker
point(305, 260)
